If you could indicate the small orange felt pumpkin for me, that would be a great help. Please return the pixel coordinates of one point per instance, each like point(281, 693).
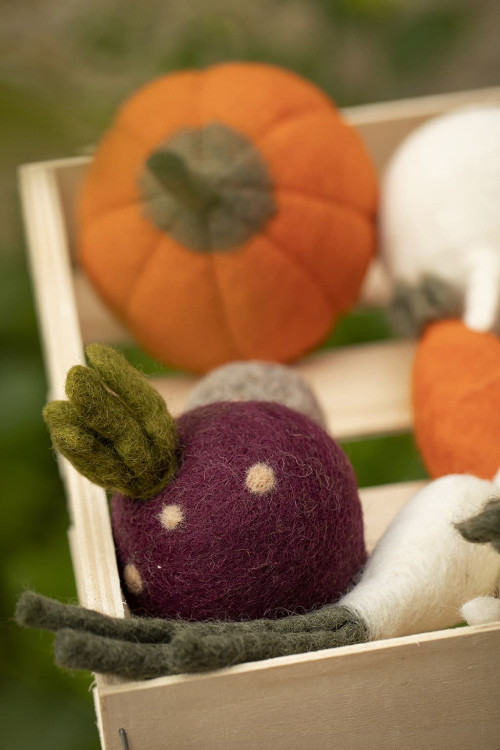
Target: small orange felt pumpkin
point(228, 214)
point(456, 400)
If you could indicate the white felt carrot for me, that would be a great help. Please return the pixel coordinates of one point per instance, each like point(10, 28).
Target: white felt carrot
point(422, 570)
point(439, 211)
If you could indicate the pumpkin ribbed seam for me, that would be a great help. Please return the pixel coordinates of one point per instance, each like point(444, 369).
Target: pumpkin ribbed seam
point(320, 199)
point(230, 336)
point(128, 204)
point(144, 262)
point(290, 117)
point(99, 216)
point(142, 270)
point(294, 261)
point(135, 135)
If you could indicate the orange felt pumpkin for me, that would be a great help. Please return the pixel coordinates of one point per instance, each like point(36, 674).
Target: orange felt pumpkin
point(456, 400)
point(228, 214)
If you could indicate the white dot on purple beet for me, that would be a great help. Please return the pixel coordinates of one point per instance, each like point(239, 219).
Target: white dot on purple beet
point(260, 479)
point(133, 580)
point(171, 516)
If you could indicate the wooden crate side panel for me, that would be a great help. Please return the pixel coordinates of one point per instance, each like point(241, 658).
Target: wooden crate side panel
point(364, 390)
point(99, 325)
point(355, 405)
point(95, 563)
point(436, 693)
point(383, 126)
point(381, 504)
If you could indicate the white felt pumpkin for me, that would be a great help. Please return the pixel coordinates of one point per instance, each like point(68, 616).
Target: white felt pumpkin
point(440, 211)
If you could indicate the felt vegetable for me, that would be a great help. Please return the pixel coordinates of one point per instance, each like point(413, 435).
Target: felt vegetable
point(456, 399)
point(440, 223)
point(236, 510)
point(422, 570)
point(418, 576)
point(228, 214)
point(483, 528)
point(257, 381)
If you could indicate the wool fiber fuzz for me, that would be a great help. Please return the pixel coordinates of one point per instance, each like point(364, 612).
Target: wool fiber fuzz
point(439, 210)
point(485, 527)
point(481, 610)
point(228, 213)
point(115, 428)
point(143, 648)
point(422, 570)
point(257, 381)
point(291, 542)
point(456, 400)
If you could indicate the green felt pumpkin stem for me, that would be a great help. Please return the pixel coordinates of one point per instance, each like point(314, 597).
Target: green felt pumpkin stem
point(208, 187)
point(115, 428)
point(177, 177)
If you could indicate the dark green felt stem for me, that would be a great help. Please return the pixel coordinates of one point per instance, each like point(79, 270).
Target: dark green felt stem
point(76, 650)
point(415, 306)
point(485, 527)
point(141, 648)
point(442, 297)
point(36, 611)
point(192, 652)
point(176, 177)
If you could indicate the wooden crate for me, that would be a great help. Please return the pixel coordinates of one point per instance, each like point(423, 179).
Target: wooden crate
point(431, 691)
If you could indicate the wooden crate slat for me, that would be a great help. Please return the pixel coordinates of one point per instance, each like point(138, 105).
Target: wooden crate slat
point(383, 126)
point(98, 323)
point(381, 504)
point(96, 566)
point(364, 390)
point(426, 692)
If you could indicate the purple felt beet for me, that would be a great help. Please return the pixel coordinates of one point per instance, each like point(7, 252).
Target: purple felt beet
point(232, 545)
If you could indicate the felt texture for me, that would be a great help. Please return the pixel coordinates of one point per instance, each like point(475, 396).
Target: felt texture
point(114, 428)
point(481, 610)
point(422, 570)
point(485, 527)
point(413, 307)
point(290, 247)
point(240, 555)
point(143, 648)
point(456, 400)
point(417, 579)
point(189, 653)
point(257, 381)
point(37, 611)
point(439, 209)
point(208, 188)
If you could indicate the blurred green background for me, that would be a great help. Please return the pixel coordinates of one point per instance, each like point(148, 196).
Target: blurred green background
point(64, 69)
